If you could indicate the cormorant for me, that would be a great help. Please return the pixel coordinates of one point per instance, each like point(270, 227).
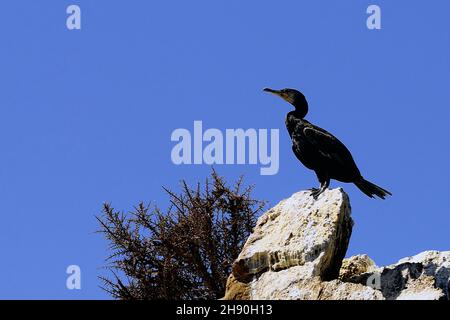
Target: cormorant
point(320, 151)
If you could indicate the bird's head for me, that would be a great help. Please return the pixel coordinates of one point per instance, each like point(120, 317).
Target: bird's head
point(294, 97)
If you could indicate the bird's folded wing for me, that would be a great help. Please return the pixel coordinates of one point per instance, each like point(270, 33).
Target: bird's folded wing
point(326, 144)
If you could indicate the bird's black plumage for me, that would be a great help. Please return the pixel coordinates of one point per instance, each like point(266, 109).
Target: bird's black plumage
point(320, 151)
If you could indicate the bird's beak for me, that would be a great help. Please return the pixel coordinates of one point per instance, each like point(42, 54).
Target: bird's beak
point(278, 93)
point(275, 92)
point(282, 94)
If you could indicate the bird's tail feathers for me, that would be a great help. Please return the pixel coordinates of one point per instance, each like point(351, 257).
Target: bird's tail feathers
point(371, 189)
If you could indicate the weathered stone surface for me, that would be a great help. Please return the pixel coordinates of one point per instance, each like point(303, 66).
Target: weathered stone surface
point(296, 252)
point(423, 276)
point(436, 265)
point(422, 288)
point(299, 231)
point(290, 284)
point(236, 290)
point(355, 266)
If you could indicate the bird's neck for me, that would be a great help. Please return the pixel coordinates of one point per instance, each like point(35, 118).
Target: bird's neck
point(299, 112)
point(301, 107)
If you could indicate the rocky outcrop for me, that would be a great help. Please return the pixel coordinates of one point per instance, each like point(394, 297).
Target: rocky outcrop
point(424, 276)
point(302, 232)
point(297, 251)
point(355, 266)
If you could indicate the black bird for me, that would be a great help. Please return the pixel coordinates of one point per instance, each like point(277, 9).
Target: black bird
point(320, 151)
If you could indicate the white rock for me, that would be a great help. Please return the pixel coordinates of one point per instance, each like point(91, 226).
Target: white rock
point(299, 231)
point(423, 276)
point(296, 252)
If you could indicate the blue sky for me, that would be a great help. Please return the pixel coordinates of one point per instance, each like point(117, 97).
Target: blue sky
point(86, 117)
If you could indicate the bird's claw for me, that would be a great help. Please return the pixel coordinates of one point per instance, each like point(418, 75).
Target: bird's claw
point(315, 193)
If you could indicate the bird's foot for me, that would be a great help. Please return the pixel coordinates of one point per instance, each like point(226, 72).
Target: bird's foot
point(315, 193)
